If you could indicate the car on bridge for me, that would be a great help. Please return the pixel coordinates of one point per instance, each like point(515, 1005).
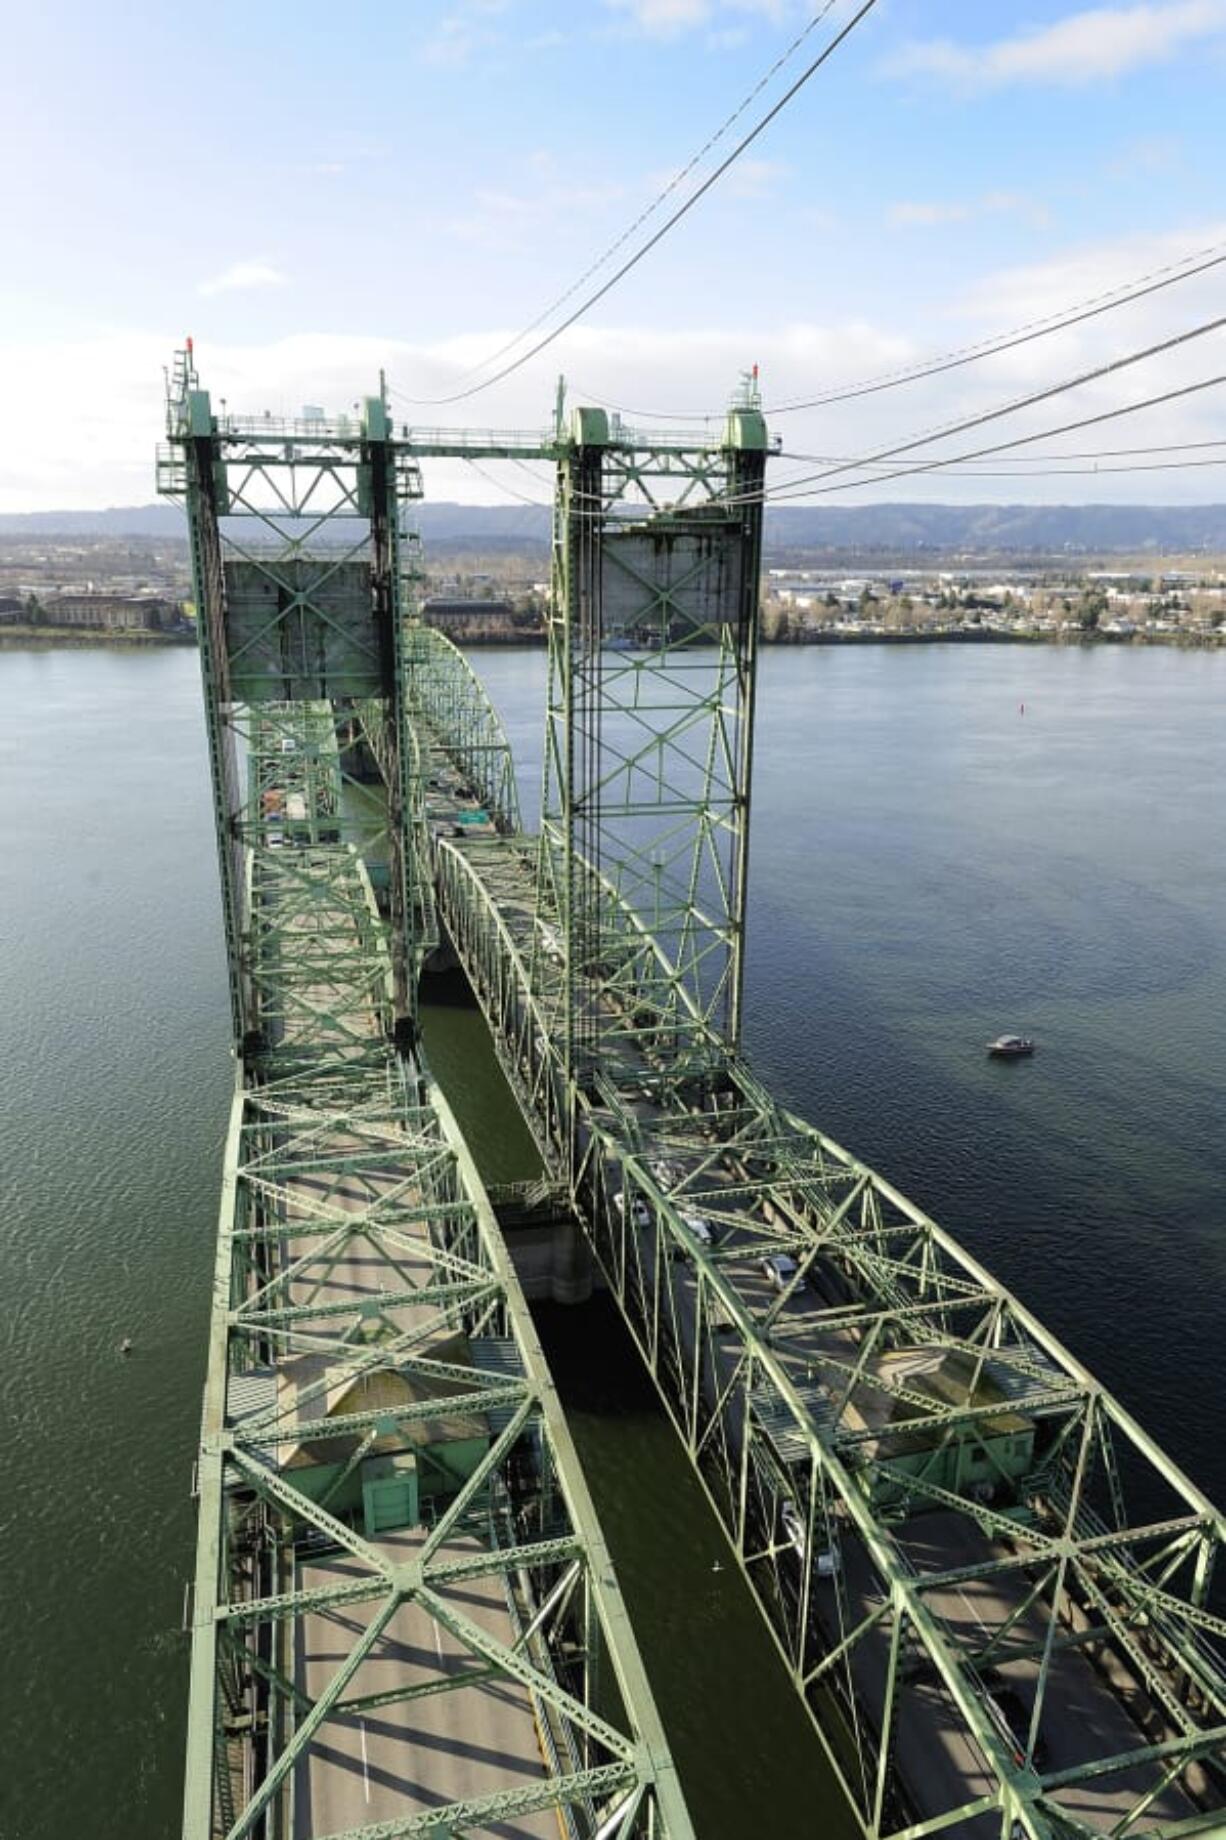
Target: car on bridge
point(779, 1268)
point(700, 1229)
point(640, 1213)
point(826, 1564)
point(1011, 1716)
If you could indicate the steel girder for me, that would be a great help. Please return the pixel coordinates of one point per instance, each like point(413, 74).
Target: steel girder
point(303, 572)
point(447, 698)
point(997, 1597)
point(338, 1159)
point(900, 1596)
point(649, 723)
point(364, 1300)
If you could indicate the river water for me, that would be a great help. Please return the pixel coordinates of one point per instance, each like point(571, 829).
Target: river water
point(930, 867)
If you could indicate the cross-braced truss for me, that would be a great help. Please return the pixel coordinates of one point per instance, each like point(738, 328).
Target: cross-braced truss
point(649, 720)
point(999, 1600)
point(404, 1620)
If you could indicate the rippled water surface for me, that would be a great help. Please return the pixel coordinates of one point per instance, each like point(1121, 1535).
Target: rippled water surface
point(930, 867)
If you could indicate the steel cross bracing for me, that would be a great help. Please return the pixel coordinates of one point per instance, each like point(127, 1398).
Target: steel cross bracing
point(404, 1618)
point(447, 700)
point(649, 721)
point(998, 1598)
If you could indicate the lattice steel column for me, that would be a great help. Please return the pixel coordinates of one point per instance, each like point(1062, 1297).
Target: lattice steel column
point(296, 539)
point(649, 740)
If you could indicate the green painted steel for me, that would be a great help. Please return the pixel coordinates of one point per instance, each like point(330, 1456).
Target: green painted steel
point(997, 1597)
point(382, 1447)
point(648, 733)
point(447, 700)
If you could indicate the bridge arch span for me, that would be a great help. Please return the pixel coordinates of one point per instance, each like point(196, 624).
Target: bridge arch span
point(449, 701)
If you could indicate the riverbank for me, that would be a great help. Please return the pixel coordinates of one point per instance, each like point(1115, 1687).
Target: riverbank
point(986, 635)
point(55, 638)
point(24, 638)
point(992, 635)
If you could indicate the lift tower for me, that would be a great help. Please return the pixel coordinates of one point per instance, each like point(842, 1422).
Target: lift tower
point(302, 563)
point(404, 1621)
point(653, 633)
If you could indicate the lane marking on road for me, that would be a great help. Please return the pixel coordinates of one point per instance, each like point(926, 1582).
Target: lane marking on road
point(970, 1606)
point(365, 1760)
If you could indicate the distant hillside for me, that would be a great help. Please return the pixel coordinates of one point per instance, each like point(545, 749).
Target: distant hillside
point(1001, 529)
point(125, 521)
point(1017, 530)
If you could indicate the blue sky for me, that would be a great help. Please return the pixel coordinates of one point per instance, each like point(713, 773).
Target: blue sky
point(314, 192)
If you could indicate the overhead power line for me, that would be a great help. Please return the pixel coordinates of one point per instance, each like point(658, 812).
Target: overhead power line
point(980, 453)
point(1102, 453)
point(1123, 296)
point(658, 236)
point(661, 196)
point(1018, 403)
point(1199, 262)
point(501, 485)
point(1070, 472)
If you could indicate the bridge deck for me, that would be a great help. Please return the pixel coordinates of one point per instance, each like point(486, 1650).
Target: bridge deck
point(406, 1757)
point(408, 1555)
point(708, 1311)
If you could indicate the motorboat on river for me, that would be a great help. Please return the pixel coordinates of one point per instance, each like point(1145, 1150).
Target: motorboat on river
point(1011, 1047)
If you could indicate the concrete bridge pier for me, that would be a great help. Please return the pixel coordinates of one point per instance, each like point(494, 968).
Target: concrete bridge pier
point(552, 1257)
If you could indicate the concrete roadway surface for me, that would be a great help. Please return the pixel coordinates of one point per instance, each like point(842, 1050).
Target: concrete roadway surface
point(404, 1759)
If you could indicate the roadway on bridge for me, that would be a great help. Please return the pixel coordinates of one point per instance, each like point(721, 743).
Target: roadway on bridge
point(1086, 1717)
point(453, 1744)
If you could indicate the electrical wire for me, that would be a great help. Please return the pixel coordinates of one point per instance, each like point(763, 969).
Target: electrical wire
point(1105, 453)
point(670, 222)
point(1078, 472)
point(500, 485)
point(1152, 283)
point(950, 471)
point(813, 486)
point(1186, 269)
point(812, 490)
point(646, 415)
point(661, 197)
point(1022, 402)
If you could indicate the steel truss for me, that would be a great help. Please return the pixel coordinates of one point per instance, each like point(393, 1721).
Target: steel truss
point(447, 699)
point(367, 1325)
point(998, 1598)
point(304, 570)
point(1101, 1553)
point(648, 730)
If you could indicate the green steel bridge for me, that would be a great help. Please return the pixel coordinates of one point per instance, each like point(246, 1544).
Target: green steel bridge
point(995, 1596)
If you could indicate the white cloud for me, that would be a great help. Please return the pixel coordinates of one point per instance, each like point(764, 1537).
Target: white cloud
point(241, 277)
point(670, 18)
point(930, 214)
point(1085, 47)
point(1039, 290)
point(687, 370)
point(466, 28)
point(756, 178)
point(499, 218)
